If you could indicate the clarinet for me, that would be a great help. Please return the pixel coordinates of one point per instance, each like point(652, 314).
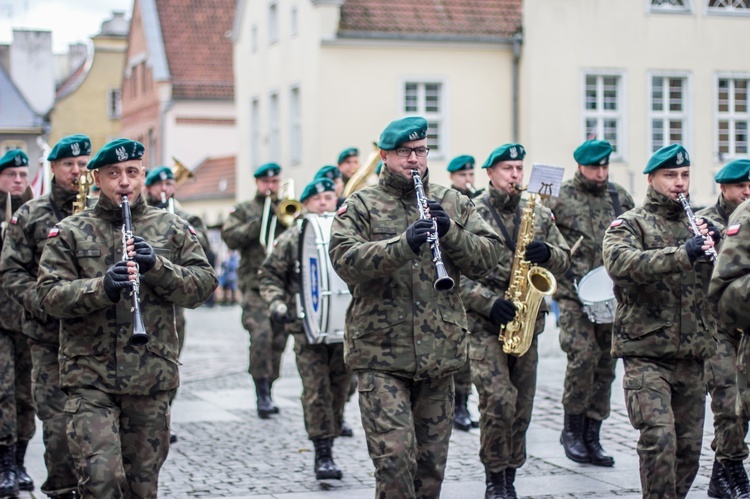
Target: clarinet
point(139, 336)
point(444, 282)
point(710, 252)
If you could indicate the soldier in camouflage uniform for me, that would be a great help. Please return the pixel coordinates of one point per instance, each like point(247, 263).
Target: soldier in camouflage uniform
point(461, 169)
point(118, 394)
point(17, 424)
point(325, 378)
point(348, 163)
point(242, 232)
point(506, 383)
point(661, 276)
point(730, 428)
point(404, 339)
point(586, 206)
point(19, 263)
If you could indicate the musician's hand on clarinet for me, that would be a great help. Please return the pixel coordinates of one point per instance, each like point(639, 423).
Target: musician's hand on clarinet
point(696, 247)
point(441, 217)
point(143, 254)
point(537, 252)
point(417, 234)
point(711, 230)
point(503, 311)
point(116, 279)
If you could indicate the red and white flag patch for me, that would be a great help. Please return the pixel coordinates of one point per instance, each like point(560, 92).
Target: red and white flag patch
point(192, 230)
point(733, 229)
point(341, 210)
point(616, 222)
point(53, 232)
point(14, 220)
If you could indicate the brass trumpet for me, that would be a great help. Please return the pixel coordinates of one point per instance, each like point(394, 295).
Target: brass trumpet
point(359, 179)
point(286, 212)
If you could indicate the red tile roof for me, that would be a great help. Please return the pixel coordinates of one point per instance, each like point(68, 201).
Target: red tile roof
point(450, 19)
point(198, 52)
point(215, 178)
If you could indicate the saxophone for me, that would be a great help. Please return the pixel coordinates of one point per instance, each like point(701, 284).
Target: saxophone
point(529, 284)
point(83, 182)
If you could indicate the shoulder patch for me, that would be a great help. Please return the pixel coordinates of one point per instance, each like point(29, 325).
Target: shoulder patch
point(616, 222)
point(552, 215)
point(191, 229)
point(733, 229)
point(53, 232)
point(341, 210)
point(14, 220)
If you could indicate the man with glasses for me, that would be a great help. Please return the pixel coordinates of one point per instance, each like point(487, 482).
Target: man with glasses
point(405, 339)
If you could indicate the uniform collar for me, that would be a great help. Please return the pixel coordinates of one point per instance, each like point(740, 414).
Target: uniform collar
point(399, 185)
point(587, 185)
point(662, 205)
point(727, 207)
point(111, 211)
point(503, 201)
point(63, 198)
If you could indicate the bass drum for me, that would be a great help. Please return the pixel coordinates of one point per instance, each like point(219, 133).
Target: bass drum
point(323, 297)
point(596, 292)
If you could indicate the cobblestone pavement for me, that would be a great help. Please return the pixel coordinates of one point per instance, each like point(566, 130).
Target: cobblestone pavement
point(225, 450)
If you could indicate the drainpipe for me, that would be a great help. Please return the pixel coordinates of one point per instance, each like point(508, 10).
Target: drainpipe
point(163, 119)
point(517, 41)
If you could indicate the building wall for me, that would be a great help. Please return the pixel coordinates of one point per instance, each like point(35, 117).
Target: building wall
point(32, 67)
point(195, 130)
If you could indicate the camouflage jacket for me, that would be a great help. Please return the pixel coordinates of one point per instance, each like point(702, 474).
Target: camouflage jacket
point(94, 330)
point(397, 322)
point(584, 209)
point(20, 259)
point(11, 312)
point(194, 220)
point(719, 212)
point(660, 294)
point(479, 295)
point(241, 232)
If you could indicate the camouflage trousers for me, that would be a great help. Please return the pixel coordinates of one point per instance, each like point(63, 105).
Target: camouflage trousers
point(666, 400)
point(119, 442)
point(721, 373)
point(462, 379)
point(50, 404)
point(267, 341)
point(16, 405)
point(325, 386)
point(591, 368)
point(743, 377)
point(506, 386)
point(408, 425)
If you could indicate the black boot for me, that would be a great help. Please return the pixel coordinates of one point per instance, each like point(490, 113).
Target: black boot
point(572, 438)
point(510, 478)
point(737, 478)
point(325, 468)
point(263, 393)
point(461, 416)
point(346, 430)
point(495, 482)
point(719, 485)
point(274, 407)
point(8, 476)
point(591, 438)
point(24, 480)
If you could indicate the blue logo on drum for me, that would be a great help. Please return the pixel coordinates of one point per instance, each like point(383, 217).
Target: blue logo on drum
point(314, 285)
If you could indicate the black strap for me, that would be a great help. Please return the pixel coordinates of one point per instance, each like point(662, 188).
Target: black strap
point(56, 210)
point(510, 241)
point(615, 198)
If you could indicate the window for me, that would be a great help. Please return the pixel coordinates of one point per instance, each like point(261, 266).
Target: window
point(273, 22)
point(114, 103)
point(293, 20)
point(426, 99)
point(602, 112)
point(732, 117)
point(255, 133)
point(12, 145)
point(729, 6)
point(668, 111)
point(254, 38)
point(274, 146)
point(295, 125)
point(670, 6)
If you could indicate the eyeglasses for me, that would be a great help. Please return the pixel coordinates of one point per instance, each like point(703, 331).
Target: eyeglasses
point(13, 175)
point(405, 152)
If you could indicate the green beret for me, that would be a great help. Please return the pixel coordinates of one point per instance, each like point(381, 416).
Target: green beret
point(593, 153)
point(674, 156)
point(158, 174)
point(734, 172)
point(506, 152)
point(267, 170)
point(71, 146)
point(117, 151)
point(459, 163)
point(346, 153)
point(317, 186)
point(379, 168)
point(14, 159)
point(328, 171)
point(403, 130)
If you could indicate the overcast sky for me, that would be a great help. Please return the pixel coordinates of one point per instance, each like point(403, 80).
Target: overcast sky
point(69, 20)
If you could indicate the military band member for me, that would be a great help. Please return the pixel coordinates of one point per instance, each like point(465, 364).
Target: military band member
point(17, 424)
point(348, 163)
point(404, 339)
point(586, 206)
point(730, 427)
point(118, 394)
point(325, 378)
point(333, 174)
point(461, 169)
point(27, 235)
point(242, 232)
point(506, 383)
point(661, 277)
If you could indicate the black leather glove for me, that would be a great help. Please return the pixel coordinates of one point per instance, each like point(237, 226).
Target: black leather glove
point(693, 247)
point(716, 236)
point(537, 252)
point(278, 313)
point(116, 279)
point(416, 234)
point(144, 255)
point(502, 312)
point(441, 217)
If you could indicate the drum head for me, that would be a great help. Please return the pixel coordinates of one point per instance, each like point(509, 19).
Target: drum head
point(596, 286)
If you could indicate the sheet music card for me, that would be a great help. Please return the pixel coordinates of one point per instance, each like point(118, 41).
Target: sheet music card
point(546, 180)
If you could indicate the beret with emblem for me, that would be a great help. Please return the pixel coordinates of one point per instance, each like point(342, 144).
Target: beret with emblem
point(506, 152)
point(71, 146)
point(117, 151)
point(13, 159)
point(672, 156)
point(459, 163)
point(267, 170)
point(348, 153)
point(317, 186)
point(593, 153)
point(329, 172)
point(403, 130)
point(158, 174)
point(734, 172)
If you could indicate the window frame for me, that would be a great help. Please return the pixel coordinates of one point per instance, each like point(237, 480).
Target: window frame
point(294, 21)
point(438, 148)
point(273, 22)
point(116, 113)
point(255, 132)
point(295, 125)
point(274, 126)
point(720, 157)
point(728, 11)
point(685, 115)
point(689, 8)
point(620, 155)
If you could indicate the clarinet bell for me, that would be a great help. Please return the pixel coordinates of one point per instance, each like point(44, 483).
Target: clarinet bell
point(444, 282)
point(139, 337)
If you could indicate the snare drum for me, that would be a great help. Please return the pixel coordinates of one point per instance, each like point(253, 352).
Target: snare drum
point(597, 296)
point(323, 297)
